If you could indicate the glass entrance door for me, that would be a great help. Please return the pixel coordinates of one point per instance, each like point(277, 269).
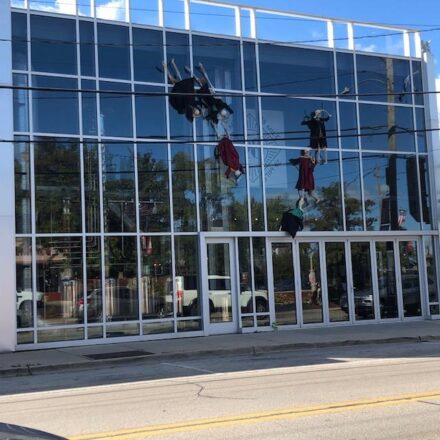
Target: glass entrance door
point(220, 303)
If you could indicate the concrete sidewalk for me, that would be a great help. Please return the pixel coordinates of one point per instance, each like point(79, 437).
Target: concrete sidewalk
point(90, 356)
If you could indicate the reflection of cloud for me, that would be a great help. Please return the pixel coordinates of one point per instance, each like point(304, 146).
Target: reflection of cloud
point(60, 6)
point(369, 48)
point(113, 10)
point(318, 35)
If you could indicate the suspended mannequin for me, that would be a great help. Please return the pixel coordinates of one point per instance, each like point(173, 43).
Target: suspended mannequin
point(318, 137)
point(306, 180)
point(292, 220)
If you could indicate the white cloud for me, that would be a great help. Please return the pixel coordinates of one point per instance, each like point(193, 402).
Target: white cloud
point(59, 6)
point(113, 10)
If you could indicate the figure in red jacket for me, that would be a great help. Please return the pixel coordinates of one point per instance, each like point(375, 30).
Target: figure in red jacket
point(230, 157)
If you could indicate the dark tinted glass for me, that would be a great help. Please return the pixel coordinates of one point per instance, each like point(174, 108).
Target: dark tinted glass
point(19, 43)
point(89, 110)
point(252, 118)
point(418, 82)
point(53, 45)
point(91, 187)
point(250, 67)
point(345, 65)
point(147, 55)
point(421, 127)
point(348, 125)
point(21, 102)
point(113, 51)
point(256, 188)
point(116, 110)
point(386, 127)
point(150, 113)
point(294, 70)
point(154, 198)
point(221, 59)
point(87, 47)
point(352, 191)
point(55, 112)
point(22, 186)
point(383, 79)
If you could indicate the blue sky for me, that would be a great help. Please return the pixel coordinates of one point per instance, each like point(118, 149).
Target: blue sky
point(421, 14)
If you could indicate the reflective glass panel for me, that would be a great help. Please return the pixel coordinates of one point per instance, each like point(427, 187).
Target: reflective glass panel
point(59, 280)
point(22, 187)
point(256, 188)
point(153, 183)
point(55, 111)
point(311, 292)
point(421, 127)
point(391, 192)
point(250, 67)
point(285, 121)
point(156, 280)
point(362, 282)
point(113, 51)
point(147, 55)
point(260, 277)
point(223, 202)
point(143, 12)
point(376, 39)
point(89, 109)
point(431, 270)
point(221, 59)
point(174, 14)
point(245, 275)
point(93, 299)
point(283, 284)
point(214, 19)
point(53, 46)
point(346, 82)
point(19, 43)
point(60, 334)
point(295, 70)
point(425, 198)
point(383, 79)
point(116, 331)
point(417, 82)
point(219, 283)
point(121, 290)
point(348, 125)
point(116, 111)
point(409, 271)
point(386, 127)
point(87, 47)
point(252, 119)
point(386, 277)
point(184, 188)
point(23, 277)
point(336, 281)
point(118, 187)
point(186, 251)
point(57, 186)
point(150, 112)
point(352, 192)
point(91, 187)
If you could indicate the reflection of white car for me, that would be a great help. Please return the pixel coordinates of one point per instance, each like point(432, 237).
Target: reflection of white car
point(24, 307)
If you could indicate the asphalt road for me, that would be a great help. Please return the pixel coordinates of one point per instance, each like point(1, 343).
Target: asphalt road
point(388, 391)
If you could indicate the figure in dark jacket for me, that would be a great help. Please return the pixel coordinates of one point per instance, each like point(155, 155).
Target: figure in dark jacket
point(213, 109)
point(318, 136)
point(292, 220)
point(306, 180)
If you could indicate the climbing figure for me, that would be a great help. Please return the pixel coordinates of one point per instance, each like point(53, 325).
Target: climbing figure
point(183, 97)
point(306, 181)
point(318, 137)
point(292, 220)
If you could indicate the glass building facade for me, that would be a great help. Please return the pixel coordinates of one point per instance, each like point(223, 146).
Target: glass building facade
point(125, 223)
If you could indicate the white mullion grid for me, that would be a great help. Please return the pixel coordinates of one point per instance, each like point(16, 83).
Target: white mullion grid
point(330, 34)
point(82, 177)
point(160, 13)
point(252, 21)
point(237, 12)
point(250, 246)
point(297, 282)
point(187, 14)
point(338, 132)
point(375, 280)
point(293, 259)
point(406, 44)
point(323, 276)
point(423, 277)
point(101, 188)
point(269, 278)
point(350, 282)
point(92, 8)
point(236, 280)
point(398, 275)
point(127, 11)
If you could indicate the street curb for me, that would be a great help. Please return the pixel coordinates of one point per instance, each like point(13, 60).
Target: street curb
point(30, 369)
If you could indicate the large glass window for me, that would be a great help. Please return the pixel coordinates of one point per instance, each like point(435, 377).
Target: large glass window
point(389, 78)
point(187, 278)
point(156, 280)
point(409, 270)
point(336, 281)
point(22, 187)
point(119, 188)
point(59, 280)
point(55, 111)
point(252, 119)
point(223, 202)
point(147, 55)
point(121, 290)
point(284, 121)
point(91, 187)
point(53, 45)
point(256, 189)
point(87, 47)
point(294, 70)
point(57, 186)
point(346, 82)
point(19, 42)
point(250, 67)
point(348, 125)
point(23, 259)
point(89, 109)
point(150, 113)
point(245, 276)
point(21, 103)
point(386, 127)
point(425, 198)
point(116, 111)
point(184, 188)
point(154, 201)
point(386, 276)
point(221, 59)
point(421, 127)
point(113, 51)
point(391, 192)
point(93, 299)
point(260, 279)
point(431, 270)
point(352, 192)
point(418, 82)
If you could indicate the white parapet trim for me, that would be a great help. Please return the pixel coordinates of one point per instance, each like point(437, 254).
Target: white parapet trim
point(7, 205)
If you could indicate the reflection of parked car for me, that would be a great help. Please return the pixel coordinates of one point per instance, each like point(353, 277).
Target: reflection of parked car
point(24, 307)
point(94, 305)
point(363, 301)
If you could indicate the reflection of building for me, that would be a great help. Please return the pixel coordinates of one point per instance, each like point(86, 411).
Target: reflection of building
point(124, 224)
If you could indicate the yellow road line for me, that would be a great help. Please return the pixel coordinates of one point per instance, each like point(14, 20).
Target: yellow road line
point(281, 414)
